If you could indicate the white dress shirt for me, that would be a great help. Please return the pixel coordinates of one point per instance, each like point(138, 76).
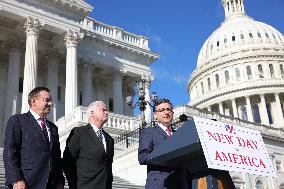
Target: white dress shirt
point(37, 117)
point(103, 137)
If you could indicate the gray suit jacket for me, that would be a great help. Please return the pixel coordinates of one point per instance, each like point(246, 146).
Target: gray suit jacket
point(28, 156)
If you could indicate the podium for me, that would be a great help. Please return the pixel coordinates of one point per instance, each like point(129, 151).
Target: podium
point(183, 150)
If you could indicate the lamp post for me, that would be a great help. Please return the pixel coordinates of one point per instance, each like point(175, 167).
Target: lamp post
point(141, 100)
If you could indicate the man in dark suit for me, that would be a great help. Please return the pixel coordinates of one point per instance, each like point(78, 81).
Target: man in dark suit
point(159, 177)
point(31, 147)
point(89, 152)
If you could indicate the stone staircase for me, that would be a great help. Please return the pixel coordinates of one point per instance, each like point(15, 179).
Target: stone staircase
point(118, 183)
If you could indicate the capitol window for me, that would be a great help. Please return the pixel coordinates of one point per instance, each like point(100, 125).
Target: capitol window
point(255, 112)
point(282, 70)
point(244, 114)
point(227, 77)
point(209, 84)
point(217, 80)
point(242, 36)
point(258, 184)
point(278, 165)
point(250, 35)
point(271, 70)
point(258, 34)
point(202, 88)
point(266, 34)
point(260, 71)
point(225, 40)
point(233, 38)
point(238, 74)
point(217, 43)
point(249, 74)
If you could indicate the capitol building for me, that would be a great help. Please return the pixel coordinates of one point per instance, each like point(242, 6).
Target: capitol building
point(239, 76)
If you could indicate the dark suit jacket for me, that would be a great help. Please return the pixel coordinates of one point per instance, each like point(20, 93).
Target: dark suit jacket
point(158, 177)
point(85, 155)
point(28, 156)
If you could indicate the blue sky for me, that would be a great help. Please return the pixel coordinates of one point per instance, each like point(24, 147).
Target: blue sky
point(177, 30)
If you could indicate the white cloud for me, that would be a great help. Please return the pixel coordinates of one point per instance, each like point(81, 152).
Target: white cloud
point(161, 74)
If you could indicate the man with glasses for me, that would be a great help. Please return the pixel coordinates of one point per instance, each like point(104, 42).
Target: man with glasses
point(159, 177)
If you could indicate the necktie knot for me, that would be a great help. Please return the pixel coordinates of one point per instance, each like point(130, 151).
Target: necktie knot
point(169, 131)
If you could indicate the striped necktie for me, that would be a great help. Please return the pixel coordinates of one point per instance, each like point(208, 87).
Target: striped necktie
point(44, 129)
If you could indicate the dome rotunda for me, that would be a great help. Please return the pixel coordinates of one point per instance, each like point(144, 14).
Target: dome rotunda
point(240, 69)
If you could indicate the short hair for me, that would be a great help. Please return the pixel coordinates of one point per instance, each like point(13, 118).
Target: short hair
point(35, 92)
point(161, 101)
point(92, 106)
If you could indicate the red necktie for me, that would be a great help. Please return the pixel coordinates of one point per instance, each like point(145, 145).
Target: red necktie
point(168, 131)
point(44, 129)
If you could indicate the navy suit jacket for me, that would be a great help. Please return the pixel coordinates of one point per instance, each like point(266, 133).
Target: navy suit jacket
point(158, 177)
point(85, 155)
point(28, 156)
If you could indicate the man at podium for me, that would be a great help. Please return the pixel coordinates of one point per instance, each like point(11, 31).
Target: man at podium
point(160, 177)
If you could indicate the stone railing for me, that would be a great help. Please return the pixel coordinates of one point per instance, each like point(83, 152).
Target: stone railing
point(266, 131)
point(79, 117)
point(92, 25)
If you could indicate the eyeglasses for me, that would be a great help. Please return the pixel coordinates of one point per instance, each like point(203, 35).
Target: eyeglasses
point(165, 109)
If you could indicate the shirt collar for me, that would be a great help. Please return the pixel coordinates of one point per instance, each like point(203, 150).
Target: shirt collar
point(163, 127)
point(95, 127)
point(36, 116)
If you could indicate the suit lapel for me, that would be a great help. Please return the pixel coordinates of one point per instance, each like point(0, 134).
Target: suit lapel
point(52, 133)
point(161, 132)
point(36, 130)
point(94, 136)
point(107, 142)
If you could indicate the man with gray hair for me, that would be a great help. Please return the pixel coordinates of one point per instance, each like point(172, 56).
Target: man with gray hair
point(89, 152)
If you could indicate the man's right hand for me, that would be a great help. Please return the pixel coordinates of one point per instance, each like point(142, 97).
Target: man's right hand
point(19, 185)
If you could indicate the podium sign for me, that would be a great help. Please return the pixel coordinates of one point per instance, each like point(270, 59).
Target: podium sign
point(233, 148)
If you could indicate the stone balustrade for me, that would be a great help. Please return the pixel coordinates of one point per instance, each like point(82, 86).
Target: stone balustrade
point(266, 131)
point(78, 117)
point(92, 25)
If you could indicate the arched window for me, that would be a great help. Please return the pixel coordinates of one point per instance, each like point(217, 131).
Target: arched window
point(282, 70)
point(227, 77)
point(244, 114)
point(238, 74)
point(202, 88)
point(217, 80)
point(260, 71)
point(209, 84)
point(271, 71)
point(255, 112)
point(249, 74)
point(258, 184)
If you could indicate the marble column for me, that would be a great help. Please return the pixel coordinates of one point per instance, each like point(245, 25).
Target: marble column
point(279, 112)
point(221, 108)
point(12, 87)
point(148, 116)
point(32, 27)
point(71, 89)
point(87, 84)
point(234, 107)
point(52, 80)
point(249, 110)
point(117, 92)
point(264, 115)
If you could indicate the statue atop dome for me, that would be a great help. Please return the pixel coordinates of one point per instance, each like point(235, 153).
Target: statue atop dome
point(233, 7)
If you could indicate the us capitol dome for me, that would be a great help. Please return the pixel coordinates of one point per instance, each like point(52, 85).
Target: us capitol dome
point(240, 70)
